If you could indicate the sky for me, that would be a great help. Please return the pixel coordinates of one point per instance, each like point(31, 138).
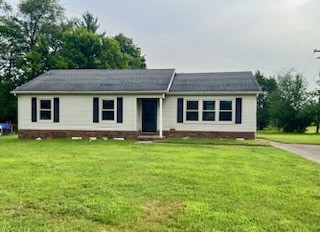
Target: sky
point(215, 35)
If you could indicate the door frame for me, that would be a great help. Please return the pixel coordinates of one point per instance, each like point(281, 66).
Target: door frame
point(155, 101)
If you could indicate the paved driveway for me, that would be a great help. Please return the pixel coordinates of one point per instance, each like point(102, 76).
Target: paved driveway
point(311, 152)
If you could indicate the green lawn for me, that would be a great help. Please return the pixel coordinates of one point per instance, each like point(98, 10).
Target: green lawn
point(65, 185)
point(302, 138)
point(213, 142)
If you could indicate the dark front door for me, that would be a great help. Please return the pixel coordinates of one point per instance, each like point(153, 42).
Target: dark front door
point(149, 115)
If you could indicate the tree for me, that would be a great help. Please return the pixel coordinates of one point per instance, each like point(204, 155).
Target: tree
point(316, 106)
point(8, 103)
point(268, 85)
point(28, 40)
point(37, 37)
point(84, 49)
point(290, 104)
point(4, 6)
point(38, 17)
point(89, 22)
point(131, 52)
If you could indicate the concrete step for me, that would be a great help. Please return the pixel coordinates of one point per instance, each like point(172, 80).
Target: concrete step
point(149, 137)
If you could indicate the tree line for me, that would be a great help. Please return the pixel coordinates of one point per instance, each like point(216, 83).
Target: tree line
point(37, 36)
point(286, 103)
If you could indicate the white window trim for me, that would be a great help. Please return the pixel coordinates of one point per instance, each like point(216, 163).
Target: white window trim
point(209, 111)
point(101, 109)
point(217, 111)
point(186, 110)
point(39, 109)
point(232, 111)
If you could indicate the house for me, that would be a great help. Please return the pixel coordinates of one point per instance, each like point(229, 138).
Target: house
point(128, 103)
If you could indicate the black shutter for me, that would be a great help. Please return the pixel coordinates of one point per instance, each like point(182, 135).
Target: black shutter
point(238, 110)
point(34, 109)
point(95, 109)
point(180, 110)
point(119, 110)
point(56, 109)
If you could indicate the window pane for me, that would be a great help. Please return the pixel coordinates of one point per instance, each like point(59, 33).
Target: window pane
point(192, 116)
point(208, 116)
point(225, 116)
point(225, 105)
point(45, 104)
point(108, 115)
point(192, 105)
point(45, 115)
point(208, 105)
point(108, 104)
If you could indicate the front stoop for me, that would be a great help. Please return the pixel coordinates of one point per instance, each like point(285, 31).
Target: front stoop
point(145, 137)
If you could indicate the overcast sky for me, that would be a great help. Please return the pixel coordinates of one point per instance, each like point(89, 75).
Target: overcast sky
point(215, 35)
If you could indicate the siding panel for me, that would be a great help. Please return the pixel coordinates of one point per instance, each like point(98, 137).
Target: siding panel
point(248, 123)
point(76, 114)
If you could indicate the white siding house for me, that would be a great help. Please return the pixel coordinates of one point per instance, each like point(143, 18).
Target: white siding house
point(130, 103)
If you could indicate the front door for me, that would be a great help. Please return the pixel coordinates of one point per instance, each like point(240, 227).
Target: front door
point(149, 115)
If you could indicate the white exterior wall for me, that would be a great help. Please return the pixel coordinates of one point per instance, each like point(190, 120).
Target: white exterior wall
point(249, 108)
point(76, 113)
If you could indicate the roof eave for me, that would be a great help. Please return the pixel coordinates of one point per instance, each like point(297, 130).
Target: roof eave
point(87, 92)
point(216, 93)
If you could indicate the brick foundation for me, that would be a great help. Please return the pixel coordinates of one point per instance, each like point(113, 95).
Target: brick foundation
point(210, 134)
point(49, 134)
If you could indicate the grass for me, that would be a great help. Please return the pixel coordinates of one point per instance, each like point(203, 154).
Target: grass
point(204, 141)
point(311, 129)
point(65, 185)
point(299, 138)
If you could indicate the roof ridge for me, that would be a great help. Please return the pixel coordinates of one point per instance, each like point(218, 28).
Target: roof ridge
point(88, 69)
point(193, 73)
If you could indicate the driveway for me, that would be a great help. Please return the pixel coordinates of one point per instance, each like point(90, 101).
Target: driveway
point(311, 152)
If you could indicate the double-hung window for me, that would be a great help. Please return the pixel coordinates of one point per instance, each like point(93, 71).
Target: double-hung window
point(45, 109)
point(192, 111)
point(225, 113)
point(108, 110)
point(208, 110)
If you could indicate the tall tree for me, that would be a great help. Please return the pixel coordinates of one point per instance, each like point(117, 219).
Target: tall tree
point(84, 49)
point(89, 22)
point(38, 17)
point(290, 103)
point(41, 24)
point(28, 38)
point(268, 85)
point(131, 51)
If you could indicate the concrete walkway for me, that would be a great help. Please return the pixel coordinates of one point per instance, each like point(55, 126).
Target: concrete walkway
point(311, 152)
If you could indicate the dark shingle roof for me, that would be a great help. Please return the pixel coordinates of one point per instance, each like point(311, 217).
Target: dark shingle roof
point(78, 80)
point(215, 82)
point(144, 80)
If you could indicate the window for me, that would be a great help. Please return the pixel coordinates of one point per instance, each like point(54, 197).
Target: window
point(208, 111)
point(45, 109)
point(108, 110)
point(225, 113)
point(192, 111)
